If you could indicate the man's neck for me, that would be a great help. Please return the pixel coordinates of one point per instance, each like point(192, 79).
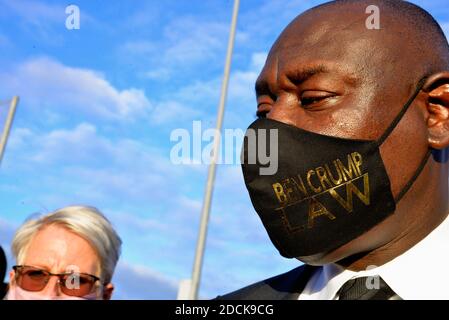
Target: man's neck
point(394, 248)
point(422, 210)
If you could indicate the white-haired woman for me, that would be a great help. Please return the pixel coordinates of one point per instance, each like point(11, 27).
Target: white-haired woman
point(68, 254)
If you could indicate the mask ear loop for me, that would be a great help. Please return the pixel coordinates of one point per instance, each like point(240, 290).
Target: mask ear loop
point(391, 128)
point(415, 176)
point(398, 118)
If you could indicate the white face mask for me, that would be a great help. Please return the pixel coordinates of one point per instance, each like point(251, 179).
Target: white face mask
point(17, 293)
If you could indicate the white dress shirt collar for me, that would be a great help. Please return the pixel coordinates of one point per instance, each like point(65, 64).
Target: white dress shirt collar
point(422, 272)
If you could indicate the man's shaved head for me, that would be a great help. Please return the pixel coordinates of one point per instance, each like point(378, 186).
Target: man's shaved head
point(416, 18)
point(409, 36)
point(329, 74)
point(418, 28)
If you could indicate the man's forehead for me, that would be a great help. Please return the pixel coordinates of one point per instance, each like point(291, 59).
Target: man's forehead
point(330, 40)
point(301, 62)
point(325, 23)
point(343, 45)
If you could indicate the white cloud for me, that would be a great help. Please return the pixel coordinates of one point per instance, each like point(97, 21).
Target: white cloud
point(147, 15)
point(161, 74)
point(97, 166)
point(241, 84)
point(18, 137)
point(46, 82)
point(189, 204)
point(140, 282)
point(38, 19)
point(35, 12)
point(173, 111)
point(200, 91)
point(68, 146)
point(44, 21)
point(241, 37)
point(258, 60)
point(140, 47)
point(196, 99)
point(186, 43)
point(201, 41)
point(78, 146)
point(183, 216)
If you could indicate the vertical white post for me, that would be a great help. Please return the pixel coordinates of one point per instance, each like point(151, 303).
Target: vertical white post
point(184, 289)
point(8, 124)
point(199, 254)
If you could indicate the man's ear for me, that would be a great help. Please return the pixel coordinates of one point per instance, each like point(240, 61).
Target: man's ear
point(107, 291)
point(437, 102)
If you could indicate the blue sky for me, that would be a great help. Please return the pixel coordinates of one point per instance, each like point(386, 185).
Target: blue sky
point(93, 127)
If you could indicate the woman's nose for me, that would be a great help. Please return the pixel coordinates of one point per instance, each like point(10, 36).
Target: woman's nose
point(52, 288)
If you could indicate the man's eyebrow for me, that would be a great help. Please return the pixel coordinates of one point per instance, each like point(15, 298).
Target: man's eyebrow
point(300, 75)
point(295, 76)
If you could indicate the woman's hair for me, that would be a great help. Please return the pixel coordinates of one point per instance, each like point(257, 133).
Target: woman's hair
point(86, 222)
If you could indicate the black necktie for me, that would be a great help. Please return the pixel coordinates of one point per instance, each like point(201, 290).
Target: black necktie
point(366, 288)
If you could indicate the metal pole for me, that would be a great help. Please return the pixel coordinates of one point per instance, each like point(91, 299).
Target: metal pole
point(196, 273)
point(8, 124)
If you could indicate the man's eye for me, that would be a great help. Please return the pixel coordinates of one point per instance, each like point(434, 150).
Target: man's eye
point(312, 97)
point(311, 100)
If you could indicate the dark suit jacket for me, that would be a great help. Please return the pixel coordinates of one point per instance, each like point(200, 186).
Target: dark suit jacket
point(3, 286)
point(286, 286)
point(3, 289)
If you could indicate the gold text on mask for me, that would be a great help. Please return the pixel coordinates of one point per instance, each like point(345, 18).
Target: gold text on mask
point(320, 180)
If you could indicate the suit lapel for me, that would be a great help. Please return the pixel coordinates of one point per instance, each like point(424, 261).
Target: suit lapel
point(294, 282)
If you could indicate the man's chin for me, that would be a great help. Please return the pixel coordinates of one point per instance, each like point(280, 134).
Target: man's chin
point(316, 259)
point(320, 259)
point(340, 256)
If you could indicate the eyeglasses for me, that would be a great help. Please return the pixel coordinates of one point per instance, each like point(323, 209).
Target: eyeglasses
point(35, 279)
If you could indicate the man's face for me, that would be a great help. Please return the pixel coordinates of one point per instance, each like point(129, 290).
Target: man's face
point(322, 77)
point(328, 74)
point(58, 250)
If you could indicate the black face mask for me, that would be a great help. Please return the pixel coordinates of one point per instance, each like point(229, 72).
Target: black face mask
point(326, 191)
